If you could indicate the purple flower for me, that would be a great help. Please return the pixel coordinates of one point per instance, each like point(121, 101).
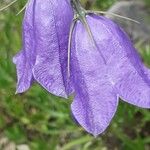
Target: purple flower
point(102, 63)
point(44, 53)
point(104, 67)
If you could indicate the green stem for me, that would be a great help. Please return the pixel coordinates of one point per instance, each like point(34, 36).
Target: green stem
point(80, 14)
point(79, 10)
point(5, 7)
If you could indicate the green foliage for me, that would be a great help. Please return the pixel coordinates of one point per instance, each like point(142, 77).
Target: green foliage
point(147, 2)
point(104, 4)
point(44, 121)
point(98, 4)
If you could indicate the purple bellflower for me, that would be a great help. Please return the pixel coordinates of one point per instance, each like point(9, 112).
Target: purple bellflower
point(100, 61)
point(43, 56)
point(104, 66)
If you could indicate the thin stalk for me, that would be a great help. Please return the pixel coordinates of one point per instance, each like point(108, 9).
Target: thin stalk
point(5, 7)
point(81, 13)
point(69, 46)
point(23, 8)
point(113, 14)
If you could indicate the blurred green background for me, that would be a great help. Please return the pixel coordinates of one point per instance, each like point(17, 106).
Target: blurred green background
point(43, 121)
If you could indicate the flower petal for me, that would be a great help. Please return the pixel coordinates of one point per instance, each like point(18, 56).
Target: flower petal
point(25, 59)
point(52, 30)
point(134, 83)
point(124, 66)
point(95, 100)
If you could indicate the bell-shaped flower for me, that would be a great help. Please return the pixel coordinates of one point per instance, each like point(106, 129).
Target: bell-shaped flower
point(100, 61)
point(104, 66)
point(45, 39)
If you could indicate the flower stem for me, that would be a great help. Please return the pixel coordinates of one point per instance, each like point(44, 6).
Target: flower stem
point(5, 7)
point(78, 9)
point(80, 14)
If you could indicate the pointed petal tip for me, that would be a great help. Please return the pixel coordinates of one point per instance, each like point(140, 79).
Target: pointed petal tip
point(95, 134)
point(99, 126)
point(18, 56)
point(20, 91)
point(90, 130)
point(14, 60)
point(64, 96)
point(22, 87)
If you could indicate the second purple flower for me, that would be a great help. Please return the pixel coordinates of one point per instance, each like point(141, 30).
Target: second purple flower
point(44, 52)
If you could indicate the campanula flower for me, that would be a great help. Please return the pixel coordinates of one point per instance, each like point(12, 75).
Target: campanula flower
point(104, 66)
point(96, 57)
point(43, 57)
